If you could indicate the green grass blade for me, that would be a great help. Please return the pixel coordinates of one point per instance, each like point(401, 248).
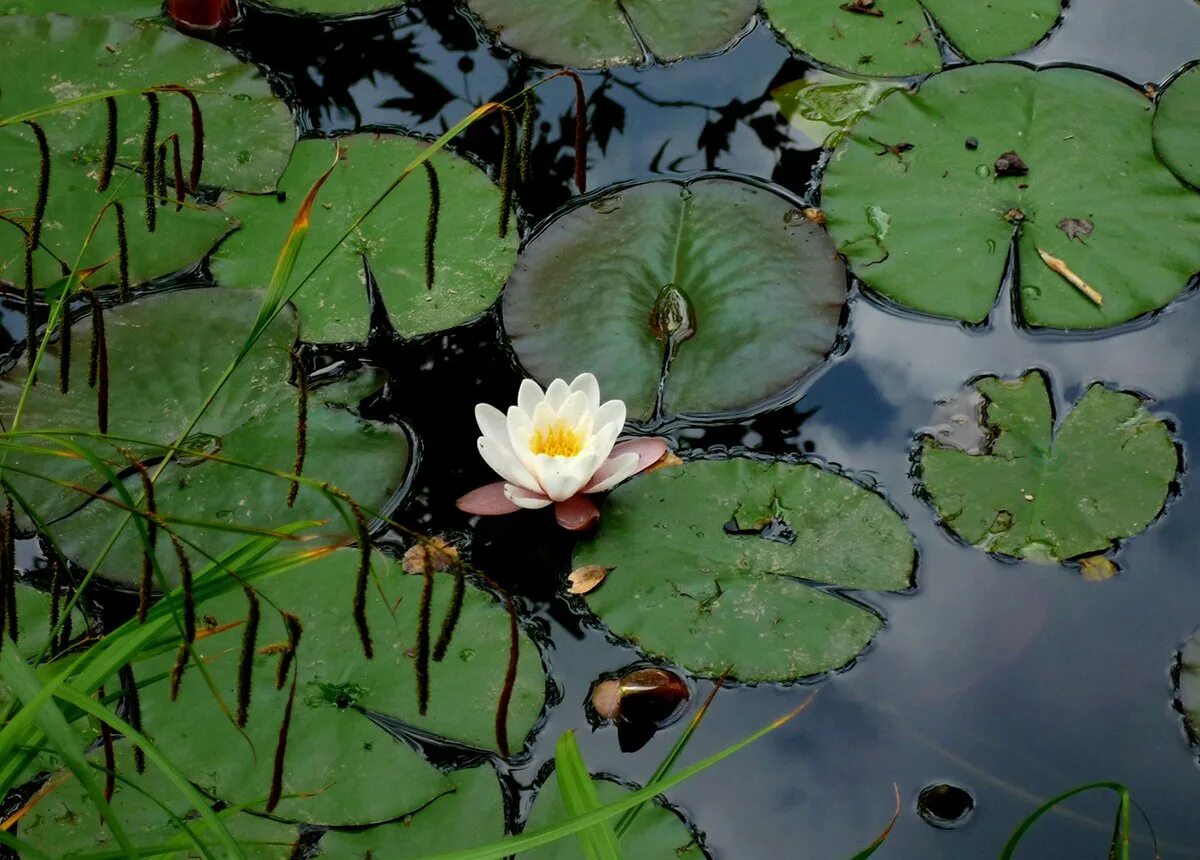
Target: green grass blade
point(882, 837)
point(1120, 845)
point(597, 842)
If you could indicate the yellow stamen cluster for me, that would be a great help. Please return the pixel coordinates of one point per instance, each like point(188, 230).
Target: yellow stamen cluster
point(556, 440)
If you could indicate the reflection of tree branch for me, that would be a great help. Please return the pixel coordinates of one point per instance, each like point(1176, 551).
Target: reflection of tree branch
point(636, 88)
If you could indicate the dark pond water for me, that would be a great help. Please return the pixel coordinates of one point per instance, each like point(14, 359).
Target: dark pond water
point(1013, 681)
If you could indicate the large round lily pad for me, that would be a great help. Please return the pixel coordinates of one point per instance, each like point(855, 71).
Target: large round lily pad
point(658, 833)
point(165, 353)
point(894, 37)
point(1049, 494)
point(601, 33)
point(341, 768)
point(437, 828)
point(746, 290)
point(917, 203)
point(65, 820)
point(248, 131)
point(1177, 126)
point(472, 261)
point(125, 9)
point(335, 7)
point(713, 565)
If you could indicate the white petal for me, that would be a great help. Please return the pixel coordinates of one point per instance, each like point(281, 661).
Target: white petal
point(500, 458)
point(624, 465)
point(492, 422)
point(561, 477)
point(613, 410)
point(574, 408)
point(529, 395)
point(523, 498)
point(587, 383)
point(517, 417)
point(543, 415)
point(520, 431)
point(604, 439)
point(557, 393)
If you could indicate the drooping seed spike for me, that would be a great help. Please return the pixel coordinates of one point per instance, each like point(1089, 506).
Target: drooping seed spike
point(528, 119)
point(423, 635)
point(177, 669)
point(12, 623)
point(110, 758)
point(246, 662)
point(581, 131)
point(30, 309)
point(149, 162)
point(64, 348)
point(281, 751)
point(294, 632)
point(133, 711)
point(98, 360)
point(57, 577)
point(431, 223)
point(506, 170)
point(64, 636)
point(360, 579)
point(510, 678)
point(110, 145)
point(146, 585)
point(185, 584)
point(300, 380)
point(6, 573)
point(160, 174)
point(452, 614)
point(197, 165)
point(122, 253)
point(33, 238)
point(177, 172)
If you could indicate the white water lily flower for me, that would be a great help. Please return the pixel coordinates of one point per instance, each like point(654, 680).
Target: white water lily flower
point(554, 446)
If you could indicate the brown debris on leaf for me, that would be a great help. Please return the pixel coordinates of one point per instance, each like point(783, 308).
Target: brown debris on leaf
point(862, 7)
point(1076, 228)
point(1097, 568)
point(817, 216)
point(441, 555)
point(1010, 164)
point(587, 578)
point(1056, 265)
point(666, 461)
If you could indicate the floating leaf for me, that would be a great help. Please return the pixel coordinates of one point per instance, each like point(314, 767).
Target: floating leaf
point(1047, 494)
point(65, 820)
point(900, 41)
point(337, 759)
point(823, 106)
point(1085, 139)
point(714, 565)
point(472, 261)
point(586, 578)
point(589, 34)
point(659, 833)
point(761, 290)
point(435, 829)
point(248, 131)
point(166, 352)
point(1177, 126)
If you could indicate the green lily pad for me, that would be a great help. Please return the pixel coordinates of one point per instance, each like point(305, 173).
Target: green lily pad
point(1177, 125)
point(712, 565)
point(165, 353)
point(1050, 494)
point(746, 290)
point(900, 40)
point(658, 833)
point(335, 7)
point(1188, 688)
point(600, 33)
point(126, 10)
point(471, 260)
point(248, 131)
point(823, 106)
point(337, 759)
point(1085, 140)
point(435, 829)
point(66, 821)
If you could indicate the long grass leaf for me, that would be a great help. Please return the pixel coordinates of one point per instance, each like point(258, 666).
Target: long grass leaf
point(1120, 845)
point(578, 792)
point(882, 837)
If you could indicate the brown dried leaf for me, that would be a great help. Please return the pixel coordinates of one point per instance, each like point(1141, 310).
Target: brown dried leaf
point(1097, 568)
point(1010, 164)
point(586, 579)
point(664, 462)
point(441, 555)
point(1076, 228)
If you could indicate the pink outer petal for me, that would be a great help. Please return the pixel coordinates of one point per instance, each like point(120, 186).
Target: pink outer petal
point(650, 450)
point(576, 513)
point(488, 500)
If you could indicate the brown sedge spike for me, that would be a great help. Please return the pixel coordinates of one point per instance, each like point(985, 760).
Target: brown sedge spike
point(34, 237)
point(528, 117)
point(177, 171)
point(122, 253)
point(281, 751)
point(423, 635)
point(10, 571)
point(300, 379)
point(160, 174)
point(146, 585)
point(56, 580)
point(149, 171)
point(506, 168)
point(110, 758)
point(133, 709)
point(510, 678)
point(360, 579)
point(246, 661)
point(294, 632)
point(581, 131)
point(98, 360)
point(64, 348)
point(110, 145)
point(197, 165)
point(189, 616)
point(452, 614)
point(431, 222)
point(6, 573)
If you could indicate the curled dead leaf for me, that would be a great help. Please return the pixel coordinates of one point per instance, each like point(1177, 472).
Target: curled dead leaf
point(441, 555)
point(1076, 228)
point(587, 578)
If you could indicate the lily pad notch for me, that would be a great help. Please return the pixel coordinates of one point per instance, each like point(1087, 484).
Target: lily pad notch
point(1048, 491)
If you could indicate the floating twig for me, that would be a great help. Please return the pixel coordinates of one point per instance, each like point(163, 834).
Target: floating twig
point(110, 145)
point(1054, 264)
point(246, 662)
point(431, 223)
